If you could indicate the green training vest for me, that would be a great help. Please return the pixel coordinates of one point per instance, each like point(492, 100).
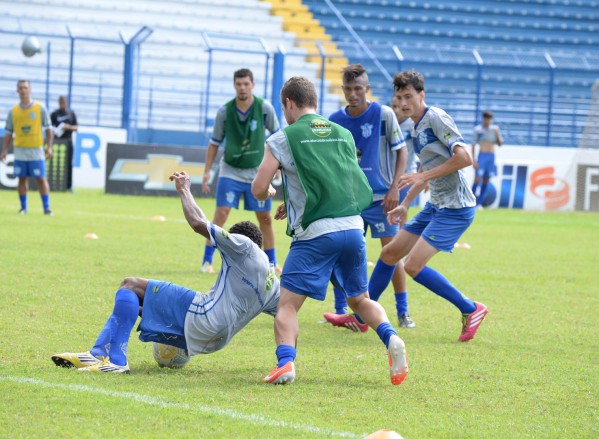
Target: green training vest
point(324, 155)
point(245, 140)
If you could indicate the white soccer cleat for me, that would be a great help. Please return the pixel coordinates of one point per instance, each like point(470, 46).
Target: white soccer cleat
point(398, 360)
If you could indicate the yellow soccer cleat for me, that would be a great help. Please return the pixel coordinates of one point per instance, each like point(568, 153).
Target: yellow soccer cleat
point(77, 360)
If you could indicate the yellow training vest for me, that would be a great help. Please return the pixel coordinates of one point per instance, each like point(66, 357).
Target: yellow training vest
point(27, 126)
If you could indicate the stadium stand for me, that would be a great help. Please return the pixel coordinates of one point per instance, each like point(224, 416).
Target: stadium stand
point(174, 61)
point(517, 40)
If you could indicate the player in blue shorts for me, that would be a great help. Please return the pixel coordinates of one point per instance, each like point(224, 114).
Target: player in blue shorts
point(241, 125)
point(443, 155)
point(382, 156)
point(324, 222)
point(177, 316)
point(486, 136)
point(25, 126)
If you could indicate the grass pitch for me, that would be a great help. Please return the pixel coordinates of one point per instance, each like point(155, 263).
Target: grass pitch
point(532, 370)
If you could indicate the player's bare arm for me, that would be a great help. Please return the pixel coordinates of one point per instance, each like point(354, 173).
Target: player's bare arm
point(193, 214)
point(5, 145)
point(262, 188)
point(392, 196)
point(50, 142)
point(210, 156)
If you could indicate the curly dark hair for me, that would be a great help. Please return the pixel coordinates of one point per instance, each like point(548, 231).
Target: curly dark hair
point(249, 229)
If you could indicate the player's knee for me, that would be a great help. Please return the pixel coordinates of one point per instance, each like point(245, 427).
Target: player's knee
point(388, 255)
point(412, 268)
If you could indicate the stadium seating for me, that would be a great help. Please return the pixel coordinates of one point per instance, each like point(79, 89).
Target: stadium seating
point(512, 38)
point(173, 63)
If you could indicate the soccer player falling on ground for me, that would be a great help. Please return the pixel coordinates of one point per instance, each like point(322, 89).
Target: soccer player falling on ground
point(443, 155)
point(177, 316)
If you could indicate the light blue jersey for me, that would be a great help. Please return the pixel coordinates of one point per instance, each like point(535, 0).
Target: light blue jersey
point(246, 286)
point(378, 138)
point(406, 126)
point(434, 137)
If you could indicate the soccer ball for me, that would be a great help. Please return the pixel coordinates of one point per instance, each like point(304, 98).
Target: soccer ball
point(31, 46)
point(169, 356)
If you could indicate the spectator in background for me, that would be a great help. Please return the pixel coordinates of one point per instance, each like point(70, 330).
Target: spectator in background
point(486, 136)
point(25, 125)
point(64, 121)
point(241, 123)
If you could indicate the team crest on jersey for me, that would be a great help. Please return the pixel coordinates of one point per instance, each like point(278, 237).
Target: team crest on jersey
point(321, 127)
point(253, 125)
point(270, 280)
point(366, 130)
point(225, 234)
point(446, 136)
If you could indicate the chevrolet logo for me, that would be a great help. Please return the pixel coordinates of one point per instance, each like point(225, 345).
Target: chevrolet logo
point(155, 170)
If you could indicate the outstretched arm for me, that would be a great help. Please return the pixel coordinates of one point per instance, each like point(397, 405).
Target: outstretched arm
point(261, 187)
point(193, 214)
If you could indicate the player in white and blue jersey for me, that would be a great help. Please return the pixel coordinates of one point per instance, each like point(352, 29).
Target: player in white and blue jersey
point(382, 156)
point(486, 136)
point(174, 315)
point(443, 155)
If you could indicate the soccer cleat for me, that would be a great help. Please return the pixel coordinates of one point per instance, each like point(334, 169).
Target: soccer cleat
point(106, 366)
point(78, 360)
point(23, 212)
point(348, 321)
point(405, 321)
point(471, 322)
point(398, 360)
point(48, 212)
point(207, 268)
point(281, 375)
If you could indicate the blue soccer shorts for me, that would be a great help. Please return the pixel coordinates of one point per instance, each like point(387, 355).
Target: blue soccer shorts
point(375, 218)
point(32, 168)
point(441, 228)
point(163, 314)
point(229, 191)
point(486, 165)
point(338, 257)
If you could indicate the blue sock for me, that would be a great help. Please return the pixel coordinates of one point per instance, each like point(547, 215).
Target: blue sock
point(126, 309)
point(481, 198)
point(46, 202)
point(285, 353)
point(385, 331)
point(340, 301)
point(379, 279)
point(23, 200)
point(102, 345)
point(401, 303)
point(272, 257)
point(208, 254)
point(438, 284)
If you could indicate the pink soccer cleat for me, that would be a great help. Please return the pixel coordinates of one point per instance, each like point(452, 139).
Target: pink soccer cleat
point(471, 322)
point(348, 321)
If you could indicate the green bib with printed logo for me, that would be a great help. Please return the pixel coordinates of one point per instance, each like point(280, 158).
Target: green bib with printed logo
point(245, 140)
point(324, 155)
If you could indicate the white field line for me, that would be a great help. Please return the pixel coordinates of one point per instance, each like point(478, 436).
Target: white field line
point(160, 402)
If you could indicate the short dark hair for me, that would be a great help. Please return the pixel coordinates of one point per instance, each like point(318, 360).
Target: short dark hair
point(351, 72)
point(488, 114)
point(301, 91)
point(249, 229)
point(242, 73)
point(407, 78)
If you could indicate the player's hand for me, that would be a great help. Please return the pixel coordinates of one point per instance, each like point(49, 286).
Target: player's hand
point(391, 199)
point(181, 180)
point(398, 216)
point(49, 152)
point(416, 180)
point(3, 157)
point(271, 191)
point(281, 212)
point(206, 183)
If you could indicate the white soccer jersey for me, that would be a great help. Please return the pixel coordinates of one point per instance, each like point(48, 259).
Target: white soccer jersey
point(434, 137)
point(246, 286)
